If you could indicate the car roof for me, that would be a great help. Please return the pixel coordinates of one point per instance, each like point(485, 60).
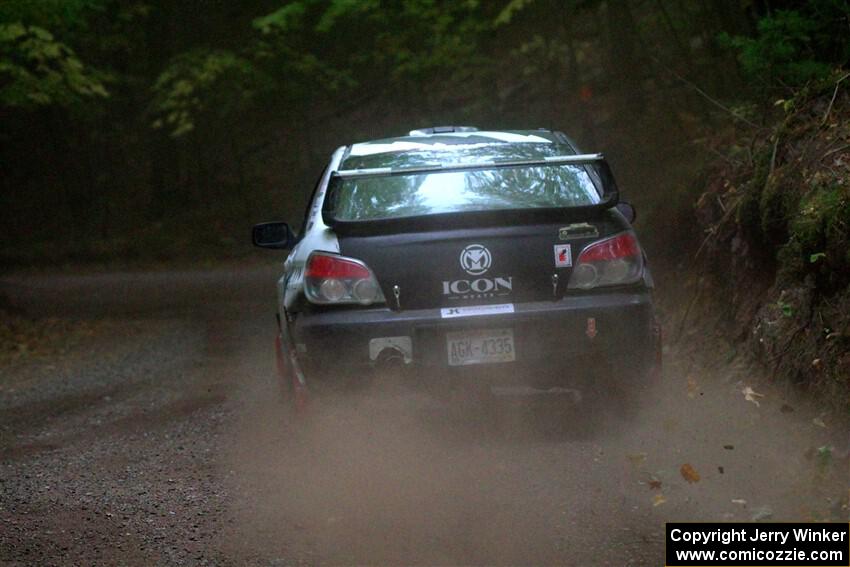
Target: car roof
point(427, 138)
point(433, 141)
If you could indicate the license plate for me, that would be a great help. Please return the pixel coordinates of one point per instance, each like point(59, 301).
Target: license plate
point(480, 347)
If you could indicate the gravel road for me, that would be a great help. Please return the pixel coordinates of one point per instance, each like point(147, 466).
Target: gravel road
point(161, 439)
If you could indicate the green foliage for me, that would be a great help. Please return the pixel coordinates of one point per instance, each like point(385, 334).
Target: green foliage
point(288, 49)
point(538, 54)
point(785, 308)
point(793, 47)
point(201, 81)
point(37, 70)
point(439, 39)
point(284, 19)
point(335, 45)
point(233, 80)
point(819, 240)
point(510, 10)
point(341, 10)
point(50, 14)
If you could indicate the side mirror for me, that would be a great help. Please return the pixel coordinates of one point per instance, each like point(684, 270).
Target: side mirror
point(627, 210)
point(276, 235)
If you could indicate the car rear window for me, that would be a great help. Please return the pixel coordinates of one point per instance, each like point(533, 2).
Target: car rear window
point(407, 195)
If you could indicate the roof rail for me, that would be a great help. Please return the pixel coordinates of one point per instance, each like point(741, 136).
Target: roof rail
point(442, 130)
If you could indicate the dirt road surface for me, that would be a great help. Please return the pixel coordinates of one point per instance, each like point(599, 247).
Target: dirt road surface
point(159, 438)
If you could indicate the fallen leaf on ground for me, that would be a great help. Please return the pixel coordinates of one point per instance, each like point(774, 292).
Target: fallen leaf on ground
point(689, 473)
point(739, 501)
point(636, 459)
point(728, 447)
point(654, 484)
point(750, 395)
point(658, 500)
point(693, 387)
point(824, 456)
point(819, 422)
point(786, 408)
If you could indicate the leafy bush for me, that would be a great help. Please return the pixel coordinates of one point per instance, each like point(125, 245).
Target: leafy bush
point(204, 80)
point(792, 47)
point(38, 70)
point(820, 237)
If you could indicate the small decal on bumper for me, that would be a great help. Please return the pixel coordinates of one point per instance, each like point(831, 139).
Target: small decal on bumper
point(476, 310)
point(591, 328)
point(563, 256)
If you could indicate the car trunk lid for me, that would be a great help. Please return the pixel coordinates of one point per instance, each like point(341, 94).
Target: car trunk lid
point(477, 265)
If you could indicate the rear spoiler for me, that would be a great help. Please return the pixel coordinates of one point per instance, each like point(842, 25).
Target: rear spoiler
point(595, 164)
point(581, 159)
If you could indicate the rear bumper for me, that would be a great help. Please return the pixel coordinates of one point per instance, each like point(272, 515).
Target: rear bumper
point(616, 328)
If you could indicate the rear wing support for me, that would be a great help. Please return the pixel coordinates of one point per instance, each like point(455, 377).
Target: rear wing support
point(580, 159)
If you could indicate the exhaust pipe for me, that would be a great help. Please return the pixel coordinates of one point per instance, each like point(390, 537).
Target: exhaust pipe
point(390, 358)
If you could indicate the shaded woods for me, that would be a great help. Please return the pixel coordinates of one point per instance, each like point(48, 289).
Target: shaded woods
point(145, 130)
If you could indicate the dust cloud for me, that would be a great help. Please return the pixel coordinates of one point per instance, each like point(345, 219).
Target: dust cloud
point(393, 476)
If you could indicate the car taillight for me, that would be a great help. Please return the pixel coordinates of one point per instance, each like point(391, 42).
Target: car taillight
point(332, 279)
point(615, 261)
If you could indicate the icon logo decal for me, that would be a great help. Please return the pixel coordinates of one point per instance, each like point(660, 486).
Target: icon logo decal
point(563, 256)
point(475, 259)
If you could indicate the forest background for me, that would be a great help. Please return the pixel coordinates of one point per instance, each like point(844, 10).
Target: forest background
point(144, 130)
point(137, 132)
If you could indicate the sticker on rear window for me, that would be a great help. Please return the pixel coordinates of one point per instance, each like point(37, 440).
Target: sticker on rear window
point(476, 310)
point(563, 256)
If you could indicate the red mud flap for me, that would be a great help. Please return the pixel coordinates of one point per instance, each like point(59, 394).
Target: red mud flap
point(291, 377)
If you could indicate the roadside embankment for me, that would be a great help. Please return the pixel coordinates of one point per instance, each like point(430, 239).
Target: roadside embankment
point(774, 255)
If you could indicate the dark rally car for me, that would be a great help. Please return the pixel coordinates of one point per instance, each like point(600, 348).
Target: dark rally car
point(457, 255)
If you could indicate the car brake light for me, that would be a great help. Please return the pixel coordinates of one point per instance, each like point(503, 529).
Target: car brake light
point(333, 279)
point(614, 261)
